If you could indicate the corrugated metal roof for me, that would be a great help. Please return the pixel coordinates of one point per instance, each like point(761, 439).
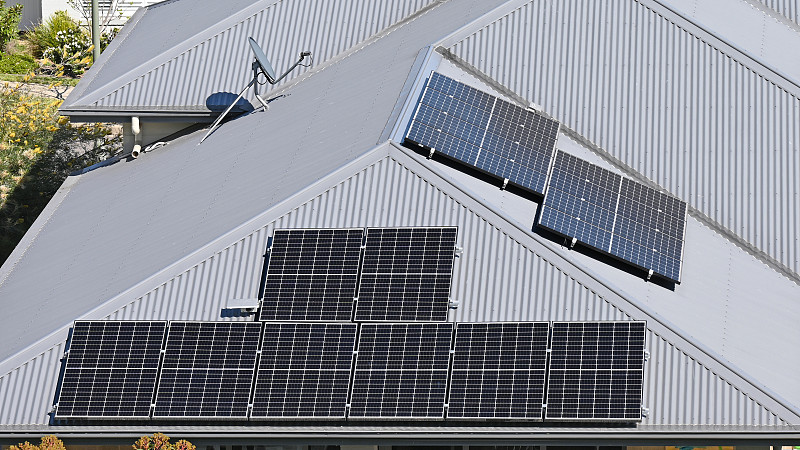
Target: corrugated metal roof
point(194, 69)
point(108, 229)
point(667, 104)
point(498, 277)
point(787, 8)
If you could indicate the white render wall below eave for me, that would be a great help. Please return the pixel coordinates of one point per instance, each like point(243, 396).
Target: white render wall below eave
point(497, 278)
point(667, 104)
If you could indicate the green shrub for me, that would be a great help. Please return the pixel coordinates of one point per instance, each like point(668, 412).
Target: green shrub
point(59, 30)
point(19, 64)
point(9, 22)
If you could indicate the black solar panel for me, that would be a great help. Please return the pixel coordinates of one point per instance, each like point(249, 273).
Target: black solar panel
point(498, 370)
point(596, 371)
point(615, 215)
point(401, 371)
point(312, 275)
point(484, 131)
point(111, 370)
point(208, 369)
point(304, 371)
point(406, 274)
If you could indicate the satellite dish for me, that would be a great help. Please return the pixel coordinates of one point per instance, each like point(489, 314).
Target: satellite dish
point(262, 65)
point(262, 60)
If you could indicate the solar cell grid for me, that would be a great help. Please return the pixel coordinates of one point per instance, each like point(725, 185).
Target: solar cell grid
point(596, 371)
point(615, 215)
point(401, 371)
point(111, 369)
point(481, 130)
point(304, 371)
point(208, 369)
point(406, 274)
point(498, 370)
point(312, 274)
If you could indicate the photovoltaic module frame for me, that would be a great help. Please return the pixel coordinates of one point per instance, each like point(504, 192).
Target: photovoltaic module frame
point(304, 370)
point(484, 131)
point(596, 371)
point(498, 370)
point(312, 275)
point(406, 274)
point(208, 370)
point(111, 370)
point(616, 215)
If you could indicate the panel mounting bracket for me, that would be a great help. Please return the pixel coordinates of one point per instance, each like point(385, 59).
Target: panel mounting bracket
point(646, 355)
point(459, 251)
point(454, 304)
point(505, 184)
point(430, 154)
point(645, 411)
point(573, 242)
point(649, 274)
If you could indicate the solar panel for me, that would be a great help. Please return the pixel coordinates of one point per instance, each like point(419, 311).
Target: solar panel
point(312, 275)
point(649, 229)
point(615, 215)
point(208, 370)
point(406, 274)
point(304, 371)
point(596, 371)
point(111, 370)
point(481, 130)
point(498, 371)
point(401, 371)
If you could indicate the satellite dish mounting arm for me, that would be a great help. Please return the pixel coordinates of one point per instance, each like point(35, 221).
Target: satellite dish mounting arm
point(260, 64)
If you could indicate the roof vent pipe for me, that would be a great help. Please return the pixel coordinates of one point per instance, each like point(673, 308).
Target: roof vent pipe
point(136, 127)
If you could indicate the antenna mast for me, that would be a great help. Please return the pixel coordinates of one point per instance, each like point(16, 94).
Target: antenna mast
point(261, 65)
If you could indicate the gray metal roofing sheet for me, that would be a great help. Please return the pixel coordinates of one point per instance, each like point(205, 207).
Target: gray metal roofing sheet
point(667, 104)
point(204, 68)
point(501, 275)
point(122, 223)
point(787, 8)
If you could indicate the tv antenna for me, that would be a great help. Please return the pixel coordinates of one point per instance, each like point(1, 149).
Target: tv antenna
point(261, 66)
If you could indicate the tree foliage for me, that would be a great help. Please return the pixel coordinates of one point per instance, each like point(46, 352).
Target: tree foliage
point(49, 442)
point(9, 22)
point(161, 441)
point(38, 150)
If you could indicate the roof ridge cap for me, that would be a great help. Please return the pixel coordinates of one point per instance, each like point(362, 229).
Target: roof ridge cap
point(175, 51)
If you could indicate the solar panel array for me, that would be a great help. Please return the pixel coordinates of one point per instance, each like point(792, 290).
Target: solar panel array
point(498, 370)
point(111, 369)
point(208, 369)
point(312, 275)
point(406, 274)
point(596, 371)
point(484, 131)
point(615, 215)
point(304, 371)
point(401, 371)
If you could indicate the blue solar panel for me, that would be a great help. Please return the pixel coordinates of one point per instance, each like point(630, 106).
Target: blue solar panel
point(596, 371)
point(615, 215)
point(484, 131)
point(498, 371)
